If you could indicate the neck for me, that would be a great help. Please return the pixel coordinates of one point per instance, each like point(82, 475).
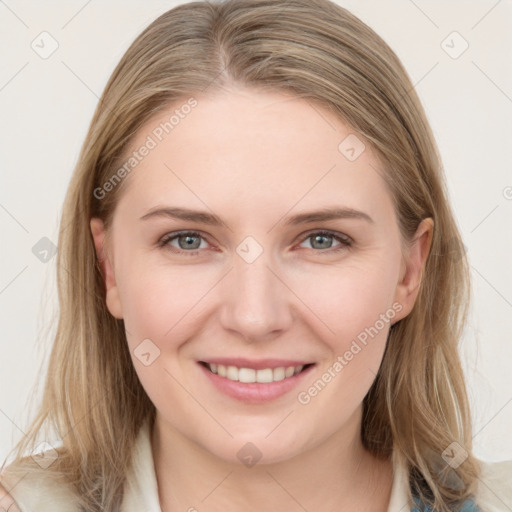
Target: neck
point(338, 474)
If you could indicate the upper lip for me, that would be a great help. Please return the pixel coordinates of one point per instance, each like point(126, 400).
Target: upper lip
point(259, 364)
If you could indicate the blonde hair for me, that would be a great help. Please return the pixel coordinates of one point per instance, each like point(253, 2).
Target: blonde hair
point(417, 406)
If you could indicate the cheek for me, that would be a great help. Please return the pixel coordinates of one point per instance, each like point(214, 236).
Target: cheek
point(160, 307)
point(347, 299)
point(357, 306)
point(158, 301)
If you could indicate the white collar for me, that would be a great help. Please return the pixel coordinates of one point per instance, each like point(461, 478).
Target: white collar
point(141, 491)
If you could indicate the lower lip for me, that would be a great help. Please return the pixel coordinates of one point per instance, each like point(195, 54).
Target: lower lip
point(255, 392)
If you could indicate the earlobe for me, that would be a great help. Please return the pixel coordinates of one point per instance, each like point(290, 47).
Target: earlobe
point(112, 294)
point(413, 266)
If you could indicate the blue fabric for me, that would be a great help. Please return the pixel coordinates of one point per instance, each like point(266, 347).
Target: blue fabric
point(467, 506)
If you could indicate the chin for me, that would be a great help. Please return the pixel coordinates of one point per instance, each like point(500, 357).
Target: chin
point(250, 450)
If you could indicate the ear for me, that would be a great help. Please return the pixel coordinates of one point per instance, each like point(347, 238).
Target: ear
point(107, 270)
point(413, 264)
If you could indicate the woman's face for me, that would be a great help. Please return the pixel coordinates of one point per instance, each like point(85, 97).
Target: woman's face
point(256, 232)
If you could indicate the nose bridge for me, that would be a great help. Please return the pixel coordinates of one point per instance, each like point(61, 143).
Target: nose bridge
point(255, 302)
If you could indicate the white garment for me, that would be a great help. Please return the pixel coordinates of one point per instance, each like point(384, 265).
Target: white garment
point(141, 490)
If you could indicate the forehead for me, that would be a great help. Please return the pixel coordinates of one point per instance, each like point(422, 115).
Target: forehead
point(254, 151)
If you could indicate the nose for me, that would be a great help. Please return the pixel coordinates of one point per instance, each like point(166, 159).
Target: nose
point(255, 300)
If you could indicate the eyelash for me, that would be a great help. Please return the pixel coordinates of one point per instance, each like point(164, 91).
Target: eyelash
point(345, 241)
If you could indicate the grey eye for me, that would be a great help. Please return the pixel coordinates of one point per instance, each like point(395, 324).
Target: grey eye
point(189, 241)
point(321, 241)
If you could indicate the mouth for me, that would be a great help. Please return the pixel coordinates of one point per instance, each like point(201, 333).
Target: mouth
point(255, 382)
point(252, 375)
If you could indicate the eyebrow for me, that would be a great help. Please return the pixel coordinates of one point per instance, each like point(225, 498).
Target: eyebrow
point(301, 218)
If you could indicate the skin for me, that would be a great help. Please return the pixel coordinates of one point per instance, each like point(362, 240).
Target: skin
point(253, 159)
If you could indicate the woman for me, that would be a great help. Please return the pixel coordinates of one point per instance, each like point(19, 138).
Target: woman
point(260, 305)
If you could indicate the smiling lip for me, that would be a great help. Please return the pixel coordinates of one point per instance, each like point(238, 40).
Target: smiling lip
point(260, 364)
point(255, 392)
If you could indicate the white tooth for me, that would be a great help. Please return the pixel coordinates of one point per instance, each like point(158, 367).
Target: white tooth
point(232, 373)
point(265, 375)
point(247, 375)
point(250, 375)
point(289, 371)
point(279, 373)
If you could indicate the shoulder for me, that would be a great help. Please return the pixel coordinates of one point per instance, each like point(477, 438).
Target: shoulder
point(29, 489)
point(36, 488)
point(494, 490)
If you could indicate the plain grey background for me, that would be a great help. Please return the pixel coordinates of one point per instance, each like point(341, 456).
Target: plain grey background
point(458, 56)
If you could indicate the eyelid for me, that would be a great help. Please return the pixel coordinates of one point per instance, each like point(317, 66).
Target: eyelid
point(335, 234)
point(345, 240)
point(165, 239)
